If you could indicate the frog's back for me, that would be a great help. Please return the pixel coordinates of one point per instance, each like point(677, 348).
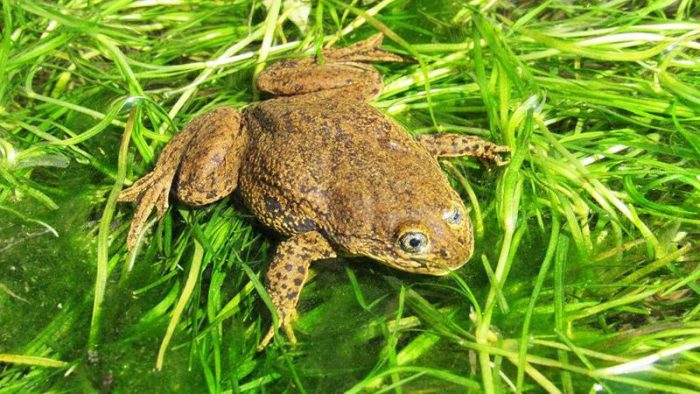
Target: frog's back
point(337, 165)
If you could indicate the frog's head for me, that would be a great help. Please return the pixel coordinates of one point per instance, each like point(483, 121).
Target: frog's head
point(435, 245)
point(431, 239)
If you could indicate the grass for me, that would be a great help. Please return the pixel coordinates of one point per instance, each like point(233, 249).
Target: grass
point(585, 274)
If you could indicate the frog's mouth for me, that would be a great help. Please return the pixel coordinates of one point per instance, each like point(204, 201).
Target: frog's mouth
point(415, 265)
point(430, 268)
point(419, 266)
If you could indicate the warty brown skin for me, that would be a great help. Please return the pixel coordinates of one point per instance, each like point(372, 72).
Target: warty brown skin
point(323, 167)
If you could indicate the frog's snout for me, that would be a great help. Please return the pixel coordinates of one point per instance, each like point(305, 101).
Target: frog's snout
point(454, 239)
point(453, 263)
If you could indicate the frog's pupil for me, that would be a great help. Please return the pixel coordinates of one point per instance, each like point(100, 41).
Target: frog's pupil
point(413, 242)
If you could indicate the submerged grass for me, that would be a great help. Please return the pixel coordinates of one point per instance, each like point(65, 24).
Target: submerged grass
point(585, 275)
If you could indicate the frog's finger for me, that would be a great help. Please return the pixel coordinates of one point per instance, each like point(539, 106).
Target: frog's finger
point(500, 161)
point(288, 330)
point(290, 333)
point(267, 339)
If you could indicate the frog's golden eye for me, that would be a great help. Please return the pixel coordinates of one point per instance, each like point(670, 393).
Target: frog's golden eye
point(413, 242)
point(454, 216)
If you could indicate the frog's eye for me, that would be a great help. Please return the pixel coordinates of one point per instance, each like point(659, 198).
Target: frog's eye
point(413, 242)
point(454, 216)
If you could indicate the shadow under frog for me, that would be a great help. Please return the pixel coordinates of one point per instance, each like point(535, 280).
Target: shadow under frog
point(325, 169)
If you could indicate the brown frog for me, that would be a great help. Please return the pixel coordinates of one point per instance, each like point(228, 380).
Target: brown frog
point(321, 166)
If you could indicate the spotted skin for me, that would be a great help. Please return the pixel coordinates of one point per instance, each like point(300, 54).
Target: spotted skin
point(456, 145)
point(318, 164)
point(287, 275)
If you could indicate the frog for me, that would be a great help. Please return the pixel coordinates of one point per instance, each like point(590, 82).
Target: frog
point(329, 172)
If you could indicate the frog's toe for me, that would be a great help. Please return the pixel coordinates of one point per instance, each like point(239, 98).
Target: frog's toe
point(150, 192)
point(133, 192)
point(376, 55)
point(374, 41)
point(162, 204)
point(369, 55)
point(364, 51)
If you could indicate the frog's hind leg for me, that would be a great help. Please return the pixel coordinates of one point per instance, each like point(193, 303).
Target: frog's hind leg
point(456, 145)
point(212, 146)
point(344, 71)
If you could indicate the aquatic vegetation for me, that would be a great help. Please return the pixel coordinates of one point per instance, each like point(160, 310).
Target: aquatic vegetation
point(585, 273)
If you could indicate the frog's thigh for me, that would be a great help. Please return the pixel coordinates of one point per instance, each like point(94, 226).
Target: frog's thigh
point(455, 145)
point(209, 168)
point(289, 270)
point(350, 79)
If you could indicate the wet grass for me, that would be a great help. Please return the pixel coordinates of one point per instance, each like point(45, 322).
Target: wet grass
point(585, 274)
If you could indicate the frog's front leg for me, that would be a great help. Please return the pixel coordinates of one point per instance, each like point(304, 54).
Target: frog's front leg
point(205, 156)
point(287, 275)
point(456, 145)
point(344, 71)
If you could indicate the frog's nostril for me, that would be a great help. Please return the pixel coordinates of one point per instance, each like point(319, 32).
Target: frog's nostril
point(445, 254)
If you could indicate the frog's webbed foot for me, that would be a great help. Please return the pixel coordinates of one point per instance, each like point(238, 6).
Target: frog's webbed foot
point(152, 190)
point(287, 275)
point(456, 145)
